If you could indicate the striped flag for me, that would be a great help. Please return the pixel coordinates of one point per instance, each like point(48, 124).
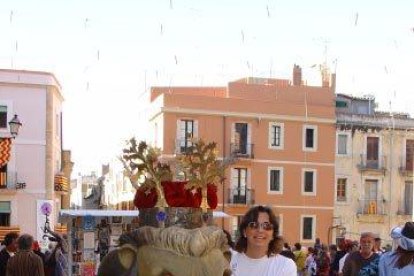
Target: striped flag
point(5, 146)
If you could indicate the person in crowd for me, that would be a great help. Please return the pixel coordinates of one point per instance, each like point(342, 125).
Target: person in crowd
point(401, 261)
point(287, 251)
point(38, 252)
point(310, 265)
point(318, 244)
point(256, 248)
point(10, 247)
point(365, 261)
point(25, 262)
point(322, 261)
point(338, 256)
point(346, 247)
point(377, 246)
point(300, 258)
point(333, 250)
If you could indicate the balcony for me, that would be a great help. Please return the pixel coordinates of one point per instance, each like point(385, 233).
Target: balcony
point(371, 211)
point(183, 146)
point(378, 165)
point(406, 169)
point(242, 195)
point(242, 150)
point(8, 182)
point(405, 207)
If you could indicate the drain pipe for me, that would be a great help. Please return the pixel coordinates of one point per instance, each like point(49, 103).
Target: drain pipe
point(224, 157)
point(391, 171)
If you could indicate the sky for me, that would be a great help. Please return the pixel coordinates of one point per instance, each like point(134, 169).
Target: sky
point(108, 53)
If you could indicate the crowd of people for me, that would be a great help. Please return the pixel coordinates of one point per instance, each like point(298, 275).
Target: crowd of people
point(22, 256)
point(258, 251)
point(261, 251)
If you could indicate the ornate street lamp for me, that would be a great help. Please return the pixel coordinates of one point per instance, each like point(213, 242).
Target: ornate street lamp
point(15, 125)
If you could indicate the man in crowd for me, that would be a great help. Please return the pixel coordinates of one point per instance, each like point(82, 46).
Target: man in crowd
point(364, 261)
point(25, 261)
point(10, 243)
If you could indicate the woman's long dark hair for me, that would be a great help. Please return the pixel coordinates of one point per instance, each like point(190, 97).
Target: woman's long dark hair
point(253, 215)
point(404, 257)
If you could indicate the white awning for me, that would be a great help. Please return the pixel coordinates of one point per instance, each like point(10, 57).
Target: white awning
point(116, 213)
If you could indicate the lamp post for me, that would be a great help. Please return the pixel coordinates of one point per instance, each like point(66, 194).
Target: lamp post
point(15, 125)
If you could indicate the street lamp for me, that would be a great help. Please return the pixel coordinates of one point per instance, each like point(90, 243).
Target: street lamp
point(15, 125)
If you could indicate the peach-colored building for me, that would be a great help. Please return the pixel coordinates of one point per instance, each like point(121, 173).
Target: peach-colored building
point(36, 170)
point(280, 135)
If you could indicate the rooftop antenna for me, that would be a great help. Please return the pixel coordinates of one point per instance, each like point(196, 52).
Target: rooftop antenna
point(324, 69)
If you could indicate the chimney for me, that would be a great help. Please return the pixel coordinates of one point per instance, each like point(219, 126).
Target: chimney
point(297, 75)
point(333, 83)
point(105, 169)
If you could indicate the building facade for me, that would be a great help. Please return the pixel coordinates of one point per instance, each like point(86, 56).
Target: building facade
point(279, 135)
point(374, 168)
point(37, 170)
point(115, 190)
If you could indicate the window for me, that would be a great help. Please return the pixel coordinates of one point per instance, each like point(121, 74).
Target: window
point(409, 155)
point(341, 104)
point(310, 134)
point(341, 189)
point(372, 152)
point(275, 176)
point(3, 116)
point(342, 144)
point(408, 198)
point(186, 133)
point(239, 185)
point(308, 227)
point(3, 177)
point(240, 139)
point(276, 134)
point(5, 210)
point(309, 182)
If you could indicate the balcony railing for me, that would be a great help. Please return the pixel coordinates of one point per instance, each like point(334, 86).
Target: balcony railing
point(371, 207)
point(183, 146)
point(406, 168)
point(241, 195)
point(373, 164)
point(8, 180)
point(405, 207)
point(242, 150)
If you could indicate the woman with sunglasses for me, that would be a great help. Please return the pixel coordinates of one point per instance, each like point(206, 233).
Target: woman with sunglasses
point(257, 253)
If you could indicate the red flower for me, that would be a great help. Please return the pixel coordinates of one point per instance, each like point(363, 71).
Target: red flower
point(175, 193)
point(176, 196)
point(212, 196)
point(144, 198)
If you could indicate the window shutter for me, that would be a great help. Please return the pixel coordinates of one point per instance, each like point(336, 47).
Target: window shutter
point(178, 139)
point(195, 130)
point(233, 178)
point(249, 138)
point(233, 131)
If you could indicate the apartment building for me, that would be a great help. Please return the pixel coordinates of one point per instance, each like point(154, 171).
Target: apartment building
point(37, 169)
point(374, 168)
point(280, 135)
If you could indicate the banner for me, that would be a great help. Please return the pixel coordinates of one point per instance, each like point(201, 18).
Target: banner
point(41, 219)
point(5, 146)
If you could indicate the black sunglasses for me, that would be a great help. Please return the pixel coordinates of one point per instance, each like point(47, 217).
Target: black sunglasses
point(264, 225)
